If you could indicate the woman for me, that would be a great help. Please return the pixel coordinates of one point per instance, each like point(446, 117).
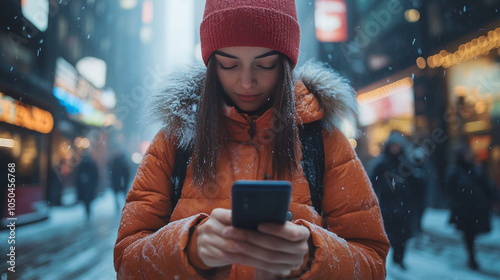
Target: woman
point(241, 116)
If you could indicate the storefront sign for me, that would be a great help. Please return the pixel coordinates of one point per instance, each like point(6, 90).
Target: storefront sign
point(20, 114)
point(394, 100)
point(331, 20)
point(82, 100)
point(79, 109)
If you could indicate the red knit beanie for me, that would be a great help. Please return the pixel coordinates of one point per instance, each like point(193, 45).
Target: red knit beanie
point(257, 23)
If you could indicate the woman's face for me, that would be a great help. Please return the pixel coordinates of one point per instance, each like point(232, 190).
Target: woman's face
point(248, 75)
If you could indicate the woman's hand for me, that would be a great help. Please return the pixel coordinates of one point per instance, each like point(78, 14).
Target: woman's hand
point(275, 249)
point(211, 245)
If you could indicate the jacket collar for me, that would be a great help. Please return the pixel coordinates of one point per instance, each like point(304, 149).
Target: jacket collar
point(320, 94)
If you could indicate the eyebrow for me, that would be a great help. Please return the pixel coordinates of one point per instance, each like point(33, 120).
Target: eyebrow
point(235, 57)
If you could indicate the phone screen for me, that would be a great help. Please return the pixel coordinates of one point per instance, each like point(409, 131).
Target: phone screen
point(256, 202)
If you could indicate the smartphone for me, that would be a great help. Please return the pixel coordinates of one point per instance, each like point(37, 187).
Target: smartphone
point(256, 202)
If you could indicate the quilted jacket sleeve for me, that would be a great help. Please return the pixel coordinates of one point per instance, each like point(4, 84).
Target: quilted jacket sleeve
point(148, 246)
point(354, 244)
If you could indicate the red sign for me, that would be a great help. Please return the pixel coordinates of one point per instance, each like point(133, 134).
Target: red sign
point(147, 12)
point(331, 20)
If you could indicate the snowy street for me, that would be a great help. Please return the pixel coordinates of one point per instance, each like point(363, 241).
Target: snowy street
point(439, 252)
point(66, 246)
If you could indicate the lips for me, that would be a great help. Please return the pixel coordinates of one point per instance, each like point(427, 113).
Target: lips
point(248, 97)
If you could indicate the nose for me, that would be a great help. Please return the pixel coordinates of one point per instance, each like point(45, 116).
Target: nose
point(247, 79)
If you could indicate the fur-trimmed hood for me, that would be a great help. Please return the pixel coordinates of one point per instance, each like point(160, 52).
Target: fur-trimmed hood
point(176, 104)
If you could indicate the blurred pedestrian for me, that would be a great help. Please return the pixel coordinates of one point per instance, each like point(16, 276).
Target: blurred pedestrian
point(391, 177)
point(120, 176)
point(422, 174)
point(242, 115)
point(471, 197)
point(86, 177)
point(55, 184)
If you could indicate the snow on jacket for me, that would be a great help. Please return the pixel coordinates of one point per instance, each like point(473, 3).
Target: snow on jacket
point(349, 240)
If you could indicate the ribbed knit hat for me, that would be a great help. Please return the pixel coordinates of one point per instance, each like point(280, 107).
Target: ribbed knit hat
point(257, 23)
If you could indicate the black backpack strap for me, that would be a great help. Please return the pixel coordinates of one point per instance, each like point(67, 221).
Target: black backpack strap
point(181, 163)
point(313, 160)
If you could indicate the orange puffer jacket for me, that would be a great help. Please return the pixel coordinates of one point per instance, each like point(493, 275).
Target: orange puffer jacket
point(350, 239)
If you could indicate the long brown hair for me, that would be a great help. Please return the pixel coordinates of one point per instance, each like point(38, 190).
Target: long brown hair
point(211, 132)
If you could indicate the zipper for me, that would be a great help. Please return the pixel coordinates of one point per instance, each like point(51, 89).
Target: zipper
point(251, 130)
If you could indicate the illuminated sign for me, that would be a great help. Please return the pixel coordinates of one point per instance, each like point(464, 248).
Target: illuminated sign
point(384, 91)
point(330, 20)
point(80, 109)
point(82, 100)
point(37, 12)
point(476, 47)
point(128, 4)
point(390, 101)
point(93, 69)
point(147, 12)
point(17, 113)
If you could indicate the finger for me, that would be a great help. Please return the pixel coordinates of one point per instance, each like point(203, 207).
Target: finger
point(213, 249)
point(265, 241)
point(213, 257)
point(216, 223)
point(217, 242)
point(270, 256)
point(211, 227)
point(222, 215)
point(288, 231)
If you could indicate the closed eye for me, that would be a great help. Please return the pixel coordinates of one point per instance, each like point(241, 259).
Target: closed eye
point(267, 68)
point(226, 68)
